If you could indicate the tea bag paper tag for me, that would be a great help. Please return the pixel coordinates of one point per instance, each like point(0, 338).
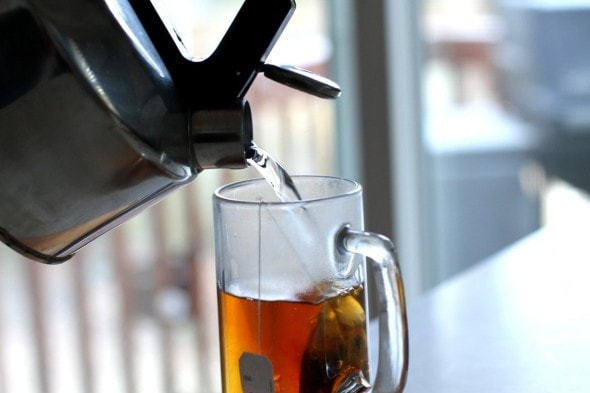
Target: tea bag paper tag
point(256, 374)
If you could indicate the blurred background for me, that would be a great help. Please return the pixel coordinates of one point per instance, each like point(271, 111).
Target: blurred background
point(467, 122)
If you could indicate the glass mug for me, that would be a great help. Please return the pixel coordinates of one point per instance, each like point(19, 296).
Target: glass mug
point(292, 293)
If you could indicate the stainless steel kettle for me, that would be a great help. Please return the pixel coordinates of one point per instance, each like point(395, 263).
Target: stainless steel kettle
point(102, 114)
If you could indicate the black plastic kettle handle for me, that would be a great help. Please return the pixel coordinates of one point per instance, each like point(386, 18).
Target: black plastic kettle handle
point(226, 75)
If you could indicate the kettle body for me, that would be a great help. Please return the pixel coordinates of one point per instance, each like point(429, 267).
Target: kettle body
point(102, 114)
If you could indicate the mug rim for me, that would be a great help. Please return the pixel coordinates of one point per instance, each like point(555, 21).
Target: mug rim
point(220, 193)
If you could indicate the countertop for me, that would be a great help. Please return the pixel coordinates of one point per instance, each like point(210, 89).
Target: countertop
point(516, 322)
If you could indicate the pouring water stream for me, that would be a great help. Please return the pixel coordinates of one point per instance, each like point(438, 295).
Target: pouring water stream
point(274, 173)
point(303, 225)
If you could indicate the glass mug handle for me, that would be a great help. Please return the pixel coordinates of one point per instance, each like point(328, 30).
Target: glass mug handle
point(393, 345)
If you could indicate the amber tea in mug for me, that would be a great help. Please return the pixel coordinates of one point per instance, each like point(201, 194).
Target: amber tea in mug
point(292, 292)
point(311, 343)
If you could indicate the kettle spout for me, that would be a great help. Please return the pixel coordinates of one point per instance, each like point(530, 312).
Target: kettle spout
point(220, 137)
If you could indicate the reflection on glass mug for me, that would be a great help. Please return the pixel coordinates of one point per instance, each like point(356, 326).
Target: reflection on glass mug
point(292, 293)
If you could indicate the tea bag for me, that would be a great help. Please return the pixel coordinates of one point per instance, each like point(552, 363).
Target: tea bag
point(335, 360)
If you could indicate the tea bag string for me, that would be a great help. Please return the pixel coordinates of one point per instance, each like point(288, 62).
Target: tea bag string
point(259, 297)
